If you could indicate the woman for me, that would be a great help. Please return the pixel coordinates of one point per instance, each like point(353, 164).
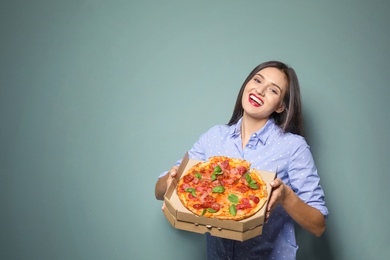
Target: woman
point(266, 130)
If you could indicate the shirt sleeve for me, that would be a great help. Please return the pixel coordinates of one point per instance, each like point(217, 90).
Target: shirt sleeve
point(196, 152)
point(199, 151)
point(164, 173)
point(304, 179)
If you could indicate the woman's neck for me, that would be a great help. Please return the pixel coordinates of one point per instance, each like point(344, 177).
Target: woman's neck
point(249, 126)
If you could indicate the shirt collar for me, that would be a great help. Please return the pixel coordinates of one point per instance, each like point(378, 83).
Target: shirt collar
point(263, 134)
point(235, 130)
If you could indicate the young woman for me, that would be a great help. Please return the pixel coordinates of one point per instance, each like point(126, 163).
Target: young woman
point(266, 130)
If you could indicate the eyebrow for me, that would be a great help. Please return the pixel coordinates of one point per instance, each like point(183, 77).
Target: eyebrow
point(258, 74)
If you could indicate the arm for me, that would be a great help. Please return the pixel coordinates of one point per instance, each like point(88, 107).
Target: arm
point(163, 183)
point(306, 216)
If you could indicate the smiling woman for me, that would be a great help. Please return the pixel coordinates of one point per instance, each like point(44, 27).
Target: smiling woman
point(290, 118)
point(266, 130)
point(263, 95)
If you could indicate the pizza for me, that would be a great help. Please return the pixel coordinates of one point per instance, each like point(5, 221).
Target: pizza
point(222, 187)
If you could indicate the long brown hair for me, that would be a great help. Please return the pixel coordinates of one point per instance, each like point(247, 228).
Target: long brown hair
point(291, 119)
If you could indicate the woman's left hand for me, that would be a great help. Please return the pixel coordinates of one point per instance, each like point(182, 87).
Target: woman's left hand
point(277, 196)
point(306, 216)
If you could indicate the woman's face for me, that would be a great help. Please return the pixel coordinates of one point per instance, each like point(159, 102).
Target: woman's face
point(264, 93)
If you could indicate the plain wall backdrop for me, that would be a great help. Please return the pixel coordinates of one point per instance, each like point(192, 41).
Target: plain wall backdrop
point(97, 98)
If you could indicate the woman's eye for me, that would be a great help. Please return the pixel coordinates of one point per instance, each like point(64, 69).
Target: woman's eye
point(274, 91)
point(257, 80)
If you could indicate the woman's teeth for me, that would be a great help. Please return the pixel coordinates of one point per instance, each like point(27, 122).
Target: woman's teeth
point(257, 100)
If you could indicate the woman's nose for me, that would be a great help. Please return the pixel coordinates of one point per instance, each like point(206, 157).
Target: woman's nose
point(260, 91)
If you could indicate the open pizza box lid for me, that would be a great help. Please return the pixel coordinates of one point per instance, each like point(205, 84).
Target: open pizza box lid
point(181, 218)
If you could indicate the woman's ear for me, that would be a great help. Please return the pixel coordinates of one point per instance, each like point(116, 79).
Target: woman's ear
point(281, 108)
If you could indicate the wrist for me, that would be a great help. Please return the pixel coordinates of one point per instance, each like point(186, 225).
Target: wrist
point(289, 197)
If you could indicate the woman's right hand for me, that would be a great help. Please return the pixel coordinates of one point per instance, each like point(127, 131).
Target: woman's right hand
point(171, 175)
point(164, 182)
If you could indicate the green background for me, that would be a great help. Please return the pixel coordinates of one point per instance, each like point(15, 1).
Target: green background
point(97, 98)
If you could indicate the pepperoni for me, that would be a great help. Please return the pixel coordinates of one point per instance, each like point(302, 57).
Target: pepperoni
point(243, 206)
point(206, 205)
point(188, 178)
point(240, 206)
point(191, 197)
point(229, 181)
point(248, 206)
point(243, 180)
point(235, 171)
point(204, 183)
point(244, 200)
point(215, 183)
point(201, 188)
point(241, 169)
point(242, 188)
point(254, 198)
point(184, 187)
point(216, 206)
point(224, 165)
point(197, 206)
point(246, 203)
point(195, 180)
point(202, 195)
point(209, 198)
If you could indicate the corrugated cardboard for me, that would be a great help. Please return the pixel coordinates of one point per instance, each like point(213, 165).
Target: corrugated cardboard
point(181, 218)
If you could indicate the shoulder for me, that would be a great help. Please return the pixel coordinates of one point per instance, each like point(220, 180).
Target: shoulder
point(287, 137)
point(293, 138)
point(292, 144)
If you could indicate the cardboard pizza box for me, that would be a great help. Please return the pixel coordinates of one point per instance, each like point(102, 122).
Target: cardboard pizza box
point(181, 218)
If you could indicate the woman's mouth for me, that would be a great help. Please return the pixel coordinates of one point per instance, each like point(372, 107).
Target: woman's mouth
point(255, 100)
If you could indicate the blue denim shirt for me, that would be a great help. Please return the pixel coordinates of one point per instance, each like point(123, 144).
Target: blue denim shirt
point(269, 149)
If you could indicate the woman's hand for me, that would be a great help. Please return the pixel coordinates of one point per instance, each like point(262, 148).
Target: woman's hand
point(278, 194)
point(164, 182)
point(306, 216)
point(171, 175)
